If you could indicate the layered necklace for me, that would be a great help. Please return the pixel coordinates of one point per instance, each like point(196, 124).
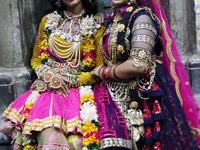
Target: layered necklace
point(110, 57)
point(69, 47)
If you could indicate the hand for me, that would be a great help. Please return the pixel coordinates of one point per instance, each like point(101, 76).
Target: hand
point(95, 71)
point(64, 89)
point(99, 17)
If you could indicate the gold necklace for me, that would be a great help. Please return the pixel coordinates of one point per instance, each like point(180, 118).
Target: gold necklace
point(110, 58)
point(117, 18)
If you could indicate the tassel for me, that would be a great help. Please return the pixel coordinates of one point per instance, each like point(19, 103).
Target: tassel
point(147, 114)
point(148, 136)
point(157, 146)
point(157, 112)
point(155, 87)
point(156, 131)
point(155, 91)
point(145, 147)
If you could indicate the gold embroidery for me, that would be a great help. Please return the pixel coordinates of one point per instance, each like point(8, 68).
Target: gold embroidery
point(13, 115)
point(121, 27)
point(132, 83)
point(120, 48)
point(115, 142)
point(170, 55)
point(196, 132)
point(40, 124)
point(129, 9)
point(153, 16)
point(55, 121)
point(144, 25)
point(190, 110)
point(143, 38)
point(142, 55)
point(138, 63)
point(187, 83)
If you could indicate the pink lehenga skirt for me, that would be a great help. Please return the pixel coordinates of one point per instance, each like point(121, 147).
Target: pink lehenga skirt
point(50, 110)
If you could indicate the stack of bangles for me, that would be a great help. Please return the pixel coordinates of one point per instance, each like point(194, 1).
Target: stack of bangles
point(106, 73)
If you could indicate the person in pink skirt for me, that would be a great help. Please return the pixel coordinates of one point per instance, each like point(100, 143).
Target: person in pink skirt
point(66, 50)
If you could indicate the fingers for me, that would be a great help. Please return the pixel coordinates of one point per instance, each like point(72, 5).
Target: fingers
point(64, 78)
point(59, 91)
point(95, 71)
point(102, 19)
point(65, 84)
point(99, 17)
point(65, 88)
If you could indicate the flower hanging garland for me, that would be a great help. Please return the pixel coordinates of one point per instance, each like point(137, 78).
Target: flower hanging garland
point(88, 52)
point(88, 28)
point(30, 102)
point(89, 117)
point(28, 143)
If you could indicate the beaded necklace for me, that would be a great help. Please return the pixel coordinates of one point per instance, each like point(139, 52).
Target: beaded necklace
point(69, 48)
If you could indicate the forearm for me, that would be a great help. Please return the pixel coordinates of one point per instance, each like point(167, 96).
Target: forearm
point(127, 70)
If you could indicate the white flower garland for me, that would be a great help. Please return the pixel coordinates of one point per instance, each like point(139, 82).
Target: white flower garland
point(89, 117)
point(52, 20)
point(88, 25)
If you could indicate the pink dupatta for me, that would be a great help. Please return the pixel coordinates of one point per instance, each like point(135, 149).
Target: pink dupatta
point(173, 64)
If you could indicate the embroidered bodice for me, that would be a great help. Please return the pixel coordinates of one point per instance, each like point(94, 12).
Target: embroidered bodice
point(140, 39)
point(66, 35)
point(71, 40)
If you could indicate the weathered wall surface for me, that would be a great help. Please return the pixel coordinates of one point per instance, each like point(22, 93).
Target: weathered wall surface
point(18, 30)
point(18, 27)
point(184, 20)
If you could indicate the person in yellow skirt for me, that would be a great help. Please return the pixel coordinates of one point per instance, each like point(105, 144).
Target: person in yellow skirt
point(52, 114)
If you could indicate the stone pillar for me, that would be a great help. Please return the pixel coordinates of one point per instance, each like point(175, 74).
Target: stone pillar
point(184, 23)
point(181, 18)
point(195, 63)
point(18, 30)
point(197, 19)
point(103, 6)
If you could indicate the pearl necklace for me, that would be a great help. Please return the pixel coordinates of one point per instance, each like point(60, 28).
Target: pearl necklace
point(71, 48)
point(68, 36)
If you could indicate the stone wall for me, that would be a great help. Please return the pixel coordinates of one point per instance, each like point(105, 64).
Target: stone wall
point(184, 22)
point(18, 29)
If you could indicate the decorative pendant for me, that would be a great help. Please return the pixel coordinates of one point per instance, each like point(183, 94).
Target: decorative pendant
point(63, 37)
point(76, 38)
point(69, 39)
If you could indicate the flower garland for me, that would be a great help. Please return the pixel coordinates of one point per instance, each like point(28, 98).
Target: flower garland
point(30, 144)
point(44, 54)
point(89, 117)
point(88, 28)
point(30, 147)
point(44, 46)
point(88, 52)
point(30, 102)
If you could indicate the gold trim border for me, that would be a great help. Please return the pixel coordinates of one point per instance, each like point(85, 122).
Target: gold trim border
point(115, 142)
point(40, 124)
